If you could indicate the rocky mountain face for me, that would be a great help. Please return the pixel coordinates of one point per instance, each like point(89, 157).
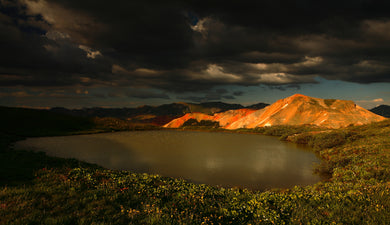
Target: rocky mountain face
point(294, 110)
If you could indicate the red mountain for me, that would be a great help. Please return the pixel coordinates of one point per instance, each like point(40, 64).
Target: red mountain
point(294, 110)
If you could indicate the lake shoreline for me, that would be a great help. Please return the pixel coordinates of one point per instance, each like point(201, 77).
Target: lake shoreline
point(318, 169)
point(205, 157)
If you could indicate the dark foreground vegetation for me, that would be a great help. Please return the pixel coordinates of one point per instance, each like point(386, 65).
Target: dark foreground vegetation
point(48, 190)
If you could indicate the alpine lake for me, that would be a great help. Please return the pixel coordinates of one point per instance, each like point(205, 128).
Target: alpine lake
point(256, 162)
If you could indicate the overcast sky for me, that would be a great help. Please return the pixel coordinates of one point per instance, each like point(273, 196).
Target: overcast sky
point(123, 53)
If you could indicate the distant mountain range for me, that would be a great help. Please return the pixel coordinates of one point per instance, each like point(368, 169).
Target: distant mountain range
point(294, 110)
point(157, 115)
point(233, 115)
point(383, 110)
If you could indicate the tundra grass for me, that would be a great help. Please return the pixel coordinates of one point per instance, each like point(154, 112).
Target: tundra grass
point(357, 191)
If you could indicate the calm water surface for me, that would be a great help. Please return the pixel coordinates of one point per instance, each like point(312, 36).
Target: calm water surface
point(228, 159)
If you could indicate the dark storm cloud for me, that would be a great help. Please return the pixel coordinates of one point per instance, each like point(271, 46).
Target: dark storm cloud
point(210, 95)
point(137, 93)
point(207, 98)
point(228, 97)
point(238, 93)
point(190, 46)
point(99, 95)
point(221, 91)
point(33, 56)
point(194, 99)
point(146, 94)
point(284, 87)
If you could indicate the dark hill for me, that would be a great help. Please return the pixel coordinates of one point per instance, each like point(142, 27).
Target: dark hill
point(257, 106)
point(35, 122)
point(382, 110)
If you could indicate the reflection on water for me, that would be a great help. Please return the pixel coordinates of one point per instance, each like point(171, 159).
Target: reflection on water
point(227, 159)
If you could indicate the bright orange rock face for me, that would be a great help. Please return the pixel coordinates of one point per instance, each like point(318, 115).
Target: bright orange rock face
point(230, 116)
point(294, 110)
point(300, 109)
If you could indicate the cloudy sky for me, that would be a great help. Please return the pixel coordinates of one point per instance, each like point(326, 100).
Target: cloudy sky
point(123, 53)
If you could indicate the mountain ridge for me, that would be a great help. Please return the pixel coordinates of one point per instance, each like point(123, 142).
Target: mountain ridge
point(297, 109)
point(158, 115)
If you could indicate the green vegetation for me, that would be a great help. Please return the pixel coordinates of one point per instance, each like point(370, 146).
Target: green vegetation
point(19, 167)
point(98, 196)
point(65, 191)
point(282, 131)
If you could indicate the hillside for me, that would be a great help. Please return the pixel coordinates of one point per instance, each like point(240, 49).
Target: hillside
point(295, 110)
point(300, 109)
point(35, 122)
point(173, 109)
point(155, 115)
point(223, 118)
point(382, 110)
point(25, 122)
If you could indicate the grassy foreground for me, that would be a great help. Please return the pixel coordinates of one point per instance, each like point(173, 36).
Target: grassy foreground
point(63, 191)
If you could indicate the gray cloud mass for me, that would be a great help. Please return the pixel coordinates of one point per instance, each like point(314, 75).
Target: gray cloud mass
point(192, 46)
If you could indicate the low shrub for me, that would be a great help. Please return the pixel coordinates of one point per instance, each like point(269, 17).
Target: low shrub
point(303, 138)
point(327, 139)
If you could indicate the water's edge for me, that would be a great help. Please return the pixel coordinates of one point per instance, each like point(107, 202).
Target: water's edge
point(214, 160)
